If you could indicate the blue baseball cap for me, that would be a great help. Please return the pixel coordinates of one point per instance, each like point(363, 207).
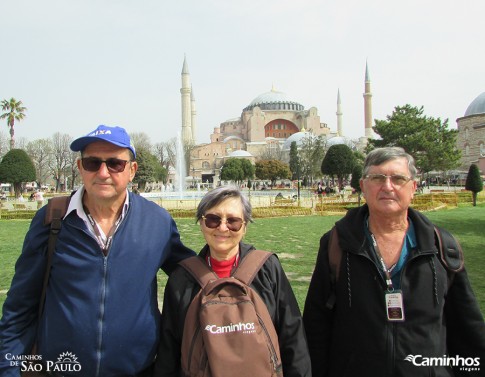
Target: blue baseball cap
point(114, 135)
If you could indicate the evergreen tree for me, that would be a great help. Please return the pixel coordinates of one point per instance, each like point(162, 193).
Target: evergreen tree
point(294, 160)
point(147, 168)
point(474, 182)
point(16, 168)
point(338, 162)
point(427, 139)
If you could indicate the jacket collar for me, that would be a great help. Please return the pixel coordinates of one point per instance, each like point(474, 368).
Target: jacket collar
point(353, 239)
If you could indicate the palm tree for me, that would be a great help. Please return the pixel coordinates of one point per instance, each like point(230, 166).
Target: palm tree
point(14, 110)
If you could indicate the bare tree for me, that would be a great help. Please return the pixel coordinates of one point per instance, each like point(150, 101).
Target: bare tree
point(141, 140)
point(3, 144)
point(311, 152)
point(73, 170)
point(62, 159)
point(166, 153)
point(21, 143)
point(171, 150)
point(40, 151)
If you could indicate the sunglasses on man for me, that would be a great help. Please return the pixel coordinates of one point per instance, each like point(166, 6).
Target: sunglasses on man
point(114, 165)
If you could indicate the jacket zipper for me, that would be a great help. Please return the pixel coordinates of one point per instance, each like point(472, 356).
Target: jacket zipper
point(101, 315)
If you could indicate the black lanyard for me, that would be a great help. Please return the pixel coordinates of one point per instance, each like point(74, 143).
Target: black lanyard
point(387, 271)
point(105, 246)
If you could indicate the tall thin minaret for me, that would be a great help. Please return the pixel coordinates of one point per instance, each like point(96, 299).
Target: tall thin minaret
point(193, 113)
point(186, 108)
point(368, 104)
point(339, 113)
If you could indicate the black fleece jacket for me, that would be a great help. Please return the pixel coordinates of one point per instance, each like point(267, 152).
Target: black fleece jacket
point(274, 288)
point(356, 339)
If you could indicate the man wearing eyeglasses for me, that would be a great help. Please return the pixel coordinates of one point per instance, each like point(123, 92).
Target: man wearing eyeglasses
point(101, 306)
point(387, 303)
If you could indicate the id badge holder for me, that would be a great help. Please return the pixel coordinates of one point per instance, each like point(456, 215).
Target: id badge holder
point(394, 305)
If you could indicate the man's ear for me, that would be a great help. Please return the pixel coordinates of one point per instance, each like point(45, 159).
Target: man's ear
point(133, 169)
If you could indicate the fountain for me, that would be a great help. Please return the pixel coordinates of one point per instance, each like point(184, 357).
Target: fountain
point(177, 192)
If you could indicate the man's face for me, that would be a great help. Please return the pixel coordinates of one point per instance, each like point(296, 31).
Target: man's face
point(103, 184)
point(385, 196)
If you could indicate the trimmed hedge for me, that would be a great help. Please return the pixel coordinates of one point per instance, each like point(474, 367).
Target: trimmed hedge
point(288, 207)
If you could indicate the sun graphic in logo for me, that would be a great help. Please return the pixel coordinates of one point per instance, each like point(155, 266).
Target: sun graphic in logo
point(67, 357)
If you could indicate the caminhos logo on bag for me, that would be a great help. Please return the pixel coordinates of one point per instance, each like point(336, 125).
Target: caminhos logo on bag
point(467, 364)
point(245, 328)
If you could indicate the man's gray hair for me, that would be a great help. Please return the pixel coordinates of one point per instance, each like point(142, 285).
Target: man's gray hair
point(218, 195)
point(381, 155)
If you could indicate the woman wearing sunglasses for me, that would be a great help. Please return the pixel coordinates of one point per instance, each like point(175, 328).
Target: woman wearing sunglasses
point(223, 215)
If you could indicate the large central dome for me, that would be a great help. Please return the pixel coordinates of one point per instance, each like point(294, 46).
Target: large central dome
point(274, 100)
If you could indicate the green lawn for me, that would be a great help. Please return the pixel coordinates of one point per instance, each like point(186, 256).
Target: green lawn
point(294, 239)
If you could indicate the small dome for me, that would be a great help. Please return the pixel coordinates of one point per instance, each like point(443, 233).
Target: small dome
point(337, 140)
point(477, 106)
point(240, 153)
point(298, 137)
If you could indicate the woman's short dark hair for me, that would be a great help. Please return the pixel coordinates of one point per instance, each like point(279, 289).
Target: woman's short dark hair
point(381, 155)
point(218, 195)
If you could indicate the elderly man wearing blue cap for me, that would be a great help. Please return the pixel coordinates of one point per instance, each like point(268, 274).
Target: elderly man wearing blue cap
point(100, 310)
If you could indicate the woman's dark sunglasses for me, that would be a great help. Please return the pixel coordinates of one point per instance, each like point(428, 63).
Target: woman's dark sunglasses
point(232, 223)
point(114, 165)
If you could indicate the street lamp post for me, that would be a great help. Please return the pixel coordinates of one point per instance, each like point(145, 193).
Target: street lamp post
point(298, 178)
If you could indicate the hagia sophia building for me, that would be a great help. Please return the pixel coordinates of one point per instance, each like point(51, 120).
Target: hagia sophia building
point(272, 121)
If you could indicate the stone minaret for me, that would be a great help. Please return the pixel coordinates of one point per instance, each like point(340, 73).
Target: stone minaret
point(185, 91)
point(368, 105)
point(339, 113)
point(193, 115)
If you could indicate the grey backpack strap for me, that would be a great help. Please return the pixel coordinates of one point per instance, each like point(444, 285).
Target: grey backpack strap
point(450, 251)
point(199, 270)
point(250, 265)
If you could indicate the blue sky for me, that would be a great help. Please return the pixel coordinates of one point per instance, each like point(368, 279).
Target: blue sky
point(76, 64)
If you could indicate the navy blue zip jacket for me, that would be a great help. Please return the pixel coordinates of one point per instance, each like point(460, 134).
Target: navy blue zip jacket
point(102, 310)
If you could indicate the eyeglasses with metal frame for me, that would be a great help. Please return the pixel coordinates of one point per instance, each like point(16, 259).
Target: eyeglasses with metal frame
point(380, 179)
point(114, 165)
point(233, 223)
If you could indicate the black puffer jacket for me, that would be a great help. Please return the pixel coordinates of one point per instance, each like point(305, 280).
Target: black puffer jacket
point(274, 288)
point(356, 339)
